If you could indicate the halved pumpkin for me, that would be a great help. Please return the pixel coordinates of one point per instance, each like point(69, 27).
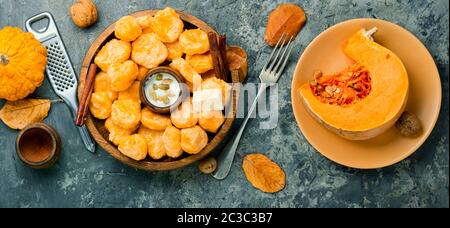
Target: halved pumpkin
point(365, 99)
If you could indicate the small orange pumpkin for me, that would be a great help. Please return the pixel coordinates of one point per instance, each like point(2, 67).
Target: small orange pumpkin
point(22, 63)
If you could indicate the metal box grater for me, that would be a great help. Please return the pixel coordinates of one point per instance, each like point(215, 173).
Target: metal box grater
point(59, 69)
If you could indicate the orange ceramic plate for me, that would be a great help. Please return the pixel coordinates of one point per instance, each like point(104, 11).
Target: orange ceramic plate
point(325, 54)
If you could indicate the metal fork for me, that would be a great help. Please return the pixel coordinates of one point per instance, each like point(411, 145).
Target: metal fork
point(270, 74)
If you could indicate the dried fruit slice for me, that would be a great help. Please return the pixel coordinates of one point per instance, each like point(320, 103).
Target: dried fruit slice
point(194, 41)
point(116, 133)
point(102, 83)
point(172, 142)
point(123, 75)
point(149, 51)
point(187, 72)
point(201, 63)
point(131, 93)
point(216, 83)
point(154, 121)
point(263, 173)
point(127, 29)
point(100, 105)
point(155, 143)
point(175, 50)
point(126, 113)
point(114, 52)
point(134, 147)
point(184, 116)
point(287, 18)
point(211, 121)
point(167, 25)
point(193, 139)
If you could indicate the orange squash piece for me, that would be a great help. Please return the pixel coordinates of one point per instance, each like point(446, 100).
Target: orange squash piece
point(364, 100)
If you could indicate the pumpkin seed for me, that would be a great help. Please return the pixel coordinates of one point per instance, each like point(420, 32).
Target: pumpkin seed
point(159, 77)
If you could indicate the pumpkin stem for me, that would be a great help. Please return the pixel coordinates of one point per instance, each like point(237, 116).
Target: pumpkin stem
point(4, 59)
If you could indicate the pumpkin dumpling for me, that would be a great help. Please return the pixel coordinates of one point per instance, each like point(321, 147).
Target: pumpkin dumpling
point(100, 105)
point(114, 52)
point(184, 116)
point(201, 63)
point(22, 63)
point(155, 143)
point(126, 113)
point(149, 51)
point(102, 83)
point(127, 29)
point(123, 75)
point(154, 121)
point(167, 25)
point(134, 147)
point(172, 142)
point(131, 93)
point(116, 134)
point(211, 121)
point(194, 41)
point(365, 99)
point(193, 139)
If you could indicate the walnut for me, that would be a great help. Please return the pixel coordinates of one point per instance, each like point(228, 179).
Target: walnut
point(84, 13)
point(409, 125)
point(207, 165)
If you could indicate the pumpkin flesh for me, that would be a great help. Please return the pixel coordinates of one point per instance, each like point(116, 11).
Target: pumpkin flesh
point(379, 108)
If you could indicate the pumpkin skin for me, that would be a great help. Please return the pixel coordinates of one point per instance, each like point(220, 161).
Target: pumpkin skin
point(380, 109)
point(22, 63)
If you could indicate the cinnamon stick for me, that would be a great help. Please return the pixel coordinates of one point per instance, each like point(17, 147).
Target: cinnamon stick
point(215, 53)
point(86, 95)
point(223, 57)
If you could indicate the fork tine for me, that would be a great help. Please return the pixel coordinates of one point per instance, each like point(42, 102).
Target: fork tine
point(275, 59)
point(273, 52)
point(279, 71)
point(288, 45)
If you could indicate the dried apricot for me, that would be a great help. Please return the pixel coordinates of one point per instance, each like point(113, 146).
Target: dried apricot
point(102, 83)
point(184, 116)
point(142, 73)
point(134, 146)
point(201, 63)
point(131, 93)
point(149, 51)
point(126, 113)
point(193, 139)
point(194, 41)
point(123, 75)
point(116, 133)
point(211, 121)
point(155, 143)
point(114, 52)
point(187, 72)
point(100, 105)
point(167, 25)
point(175, 50)
point(172, 142)
point(127, 29)
point(154, 121)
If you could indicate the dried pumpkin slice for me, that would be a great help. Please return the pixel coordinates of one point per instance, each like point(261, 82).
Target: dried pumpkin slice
point(263, 173)
point(364, 100)
point(167, 25)
point(116, 134)
point(155, 144)
point(193, 139)
point(126, 113)
point(172, 142)
point(154, 121)
point(114, 52)
point(123, 75)
point(187, 71)
point(131, 93)
point(100, 105)
point(175, 50)
point(134, 147)
point(102, 83)
point(211, 121)
point(184, 116)
point(149, 51)
point(201, 63)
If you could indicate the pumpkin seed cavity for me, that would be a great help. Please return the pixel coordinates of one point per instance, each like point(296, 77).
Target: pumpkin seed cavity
point(4, 59)
point(343, 88)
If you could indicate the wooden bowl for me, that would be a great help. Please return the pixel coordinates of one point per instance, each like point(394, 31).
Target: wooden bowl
point(97, 127)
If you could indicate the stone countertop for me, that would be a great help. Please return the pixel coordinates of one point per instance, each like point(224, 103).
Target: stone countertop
point(81, 179)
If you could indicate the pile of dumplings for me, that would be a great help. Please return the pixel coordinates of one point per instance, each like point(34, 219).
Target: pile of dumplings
point(142, 44)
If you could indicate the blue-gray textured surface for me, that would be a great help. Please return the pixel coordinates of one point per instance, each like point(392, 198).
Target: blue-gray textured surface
point(81, 179)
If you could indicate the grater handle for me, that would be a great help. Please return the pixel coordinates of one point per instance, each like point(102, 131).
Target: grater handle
point(48, 32)
point(85, 136)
